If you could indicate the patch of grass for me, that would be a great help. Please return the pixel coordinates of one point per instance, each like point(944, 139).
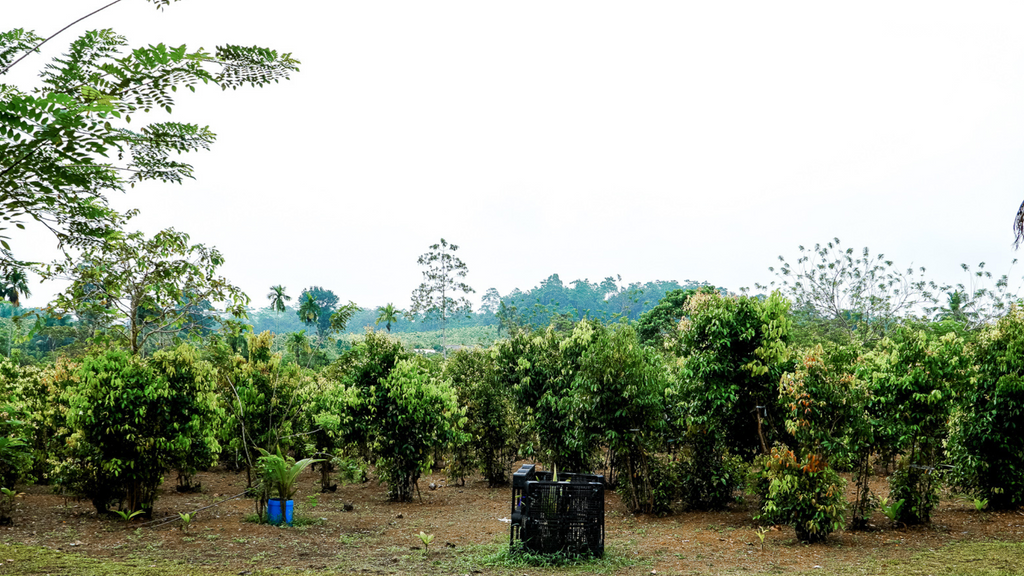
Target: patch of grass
point(504, 557)
point(35, 560)
point(960, 559)
point(976, 558)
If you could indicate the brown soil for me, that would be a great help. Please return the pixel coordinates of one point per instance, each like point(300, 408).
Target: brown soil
point(378, 536)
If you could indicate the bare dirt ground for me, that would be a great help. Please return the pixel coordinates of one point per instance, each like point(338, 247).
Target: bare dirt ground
point(378, 536)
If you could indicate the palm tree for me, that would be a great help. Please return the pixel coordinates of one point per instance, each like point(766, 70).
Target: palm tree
point(13, 285)
point(309, 311)
point(297, 343)
point(277, 299)
point(388, 315)
point(957, 308)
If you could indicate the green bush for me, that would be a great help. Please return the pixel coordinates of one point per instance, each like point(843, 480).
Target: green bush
point(986, 444)
point(495, 432)
point(326, 423)
point(133, 421)
point(15, 452)
point(707, 475)
point(413, 414)
point(36, 415)
point(825, 414)
point(913, 396)
point(540, 369)
point(260, 401)
point(806, 494)
point(623, 384)
point(732, 353)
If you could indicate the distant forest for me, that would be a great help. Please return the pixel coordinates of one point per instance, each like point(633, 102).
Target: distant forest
point(550, 302)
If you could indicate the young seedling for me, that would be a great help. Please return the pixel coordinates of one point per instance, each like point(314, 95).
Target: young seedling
point(980, 504)
point(427, 539)
point(7, 497)
point(891, 511)
point(762, 531)
point(127, 515)
point(186, 520)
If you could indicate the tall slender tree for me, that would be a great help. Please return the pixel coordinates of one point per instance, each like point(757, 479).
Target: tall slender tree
point(441, 284)
point(277, 299)
point(388, 315)
point(14, 285)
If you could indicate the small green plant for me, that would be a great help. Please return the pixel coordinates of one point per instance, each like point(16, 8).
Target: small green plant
point(312, 500)
point(762, 531)
point(186, 520)
point(980, 504)
point(127, 515)
point(891, 510)
point(427, 539)
point(280, 473)
point(7, 497)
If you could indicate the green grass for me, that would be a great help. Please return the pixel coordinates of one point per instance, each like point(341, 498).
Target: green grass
point(612, 560)
point(974, 559)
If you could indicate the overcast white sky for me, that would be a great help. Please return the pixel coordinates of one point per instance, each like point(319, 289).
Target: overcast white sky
point(656, 140)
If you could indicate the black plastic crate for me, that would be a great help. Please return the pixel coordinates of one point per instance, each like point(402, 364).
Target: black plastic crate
point(565, 516)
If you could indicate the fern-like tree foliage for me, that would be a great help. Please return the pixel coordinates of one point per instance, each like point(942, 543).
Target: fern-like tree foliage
point(67, 143)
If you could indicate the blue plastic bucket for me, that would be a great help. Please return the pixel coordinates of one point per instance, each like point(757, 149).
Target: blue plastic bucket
point(274, 511)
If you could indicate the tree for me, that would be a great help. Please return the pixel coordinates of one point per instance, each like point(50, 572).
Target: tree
point(64, 146)
point(260, 398)
point(491, 302)
point(340, 318)
point(308, 311)
point(541, 370)
point(277, 299)
point(318, 304)
point(495, 432)
point(415, 413)
point(663, 320)
point(14, 284)
point(151, 283)
point(388, 315)
point(825, 405)
point(733, 352)
point(863, 296)
point(436, 295)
